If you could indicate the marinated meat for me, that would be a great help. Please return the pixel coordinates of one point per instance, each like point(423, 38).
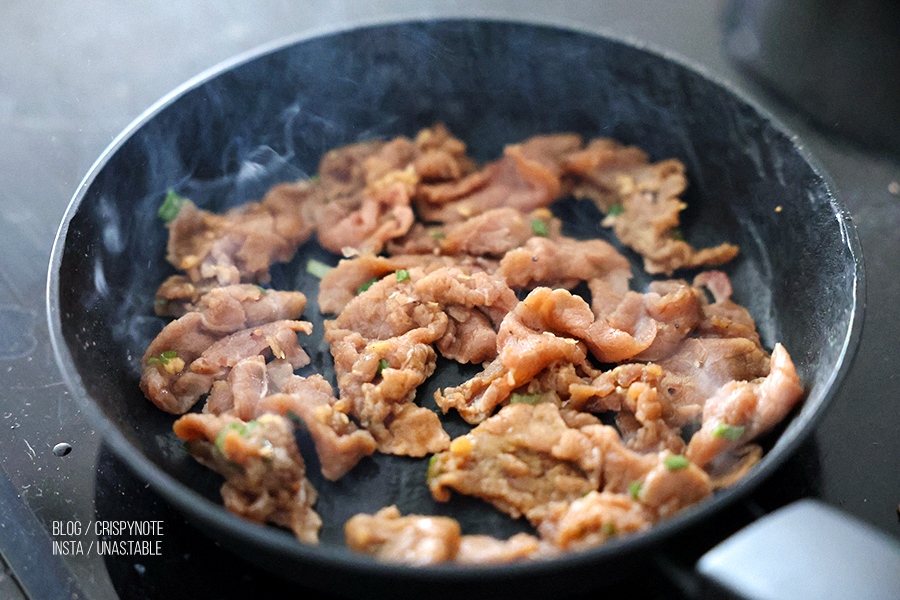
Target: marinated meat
point(412, 540)
point(459, 237)
point(742, 410)
point(265, 476)
point(522, 459)
point(527, 177)
point(642, 203)
point(545, 261)
point(427, 540)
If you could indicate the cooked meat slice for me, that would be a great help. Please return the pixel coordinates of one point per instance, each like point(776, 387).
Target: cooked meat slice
point(522, 459)
point(742, 410)
point(723, 318)
point(526, 178)
point(524, 350)
point(545, 261)
point(382, 213)
point(677, 309)
point(339, 443)
point(701, 366)
point(497, 231)
point(381, 344)
point(231, 308)
point(342, 171)
point(265, 476)
point(412, 540)
point(646, 197)
point(673, 484)
point(178, 295)
point(470, 336)
point(485, 549)
point(593, 519)
point(165, 379)
point(241, 244)
point(439, 156)
point(344, 282)
point(278, 337)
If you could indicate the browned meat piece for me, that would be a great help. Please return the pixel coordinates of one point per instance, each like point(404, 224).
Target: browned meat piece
point(425, 540)
point(340, 444)
point(701, 366)
point(265, 476)
point(522, 459)
point(672, 486)
point(723, 318)
point(185, 359)
point(343, 283)
point(677, 309)
point(178, 295)
point(240, 245)
point(545, 261)
point(231, 308)
point(413, 540)
point(524, 350)
point(168, 378)
point(742, 410)
point(485, 549)
point(647, 199)
point(382, 213)
point(439, 156)
point(381, 344)
point(497, 231)
point(278, 337)
point(526, 178)
point(593, 519)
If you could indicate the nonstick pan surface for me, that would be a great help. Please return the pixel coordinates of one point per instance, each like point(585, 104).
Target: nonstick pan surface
point(226, 137)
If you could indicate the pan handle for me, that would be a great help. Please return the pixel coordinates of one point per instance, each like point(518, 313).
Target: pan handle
point(806, 550)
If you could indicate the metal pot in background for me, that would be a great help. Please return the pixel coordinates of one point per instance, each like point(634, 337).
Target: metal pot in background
point(837, 60)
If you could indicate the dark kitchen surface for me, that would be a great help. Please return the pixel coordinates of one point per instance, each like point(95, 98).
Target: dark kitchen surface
point(74, 74)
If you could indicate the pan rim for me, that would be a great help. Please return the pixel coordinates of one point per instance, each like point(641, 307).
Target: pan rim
point(216, 516)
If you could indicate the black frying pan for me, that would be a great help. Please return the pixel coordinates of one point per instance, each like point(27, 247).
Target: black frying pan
point(227, 136)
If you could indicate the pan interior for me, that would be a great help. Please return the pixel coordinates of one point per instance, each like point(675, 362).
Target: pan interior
point(227, 139)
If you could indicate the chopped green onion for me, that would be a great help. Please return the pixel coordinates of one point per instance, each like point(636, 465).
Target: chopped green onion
point(437, 234)
point(608, 529)
point(729, 432)
point(525, 398)
point(432, 467)
point(382, 365)
point(402, 275)
point(170, 206)
point(634, 489)
point(677, 235)
point(366, 286)
point(164, 358)
point(314, 178)
point(538, 227)
point(261, 289)
point(317, 268)
point(676, 462)
point(243, 429)
point(615, 209)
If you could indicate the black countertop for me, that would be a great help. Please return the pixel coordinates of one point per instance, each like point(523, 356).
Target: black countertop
point(74, 74)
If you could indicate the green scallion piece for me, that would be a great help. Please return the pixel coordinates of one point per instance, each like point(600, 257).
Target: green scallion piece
point(634, 489)
point(676, 462)
point(164, 358)
point(437, 234)
point(366, 286)
point(317, 268)
point(170, 206)
point(531, 399)
point(538, 227)
point(615, 209)
point(677, 235)
point(729, 432)
point(608, 529)
point(382, 365)
point(402, 275)
point(261, 289)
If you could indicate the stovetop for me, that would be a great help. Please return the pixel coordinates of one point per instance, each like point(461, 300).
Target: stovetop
point(73, 74)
